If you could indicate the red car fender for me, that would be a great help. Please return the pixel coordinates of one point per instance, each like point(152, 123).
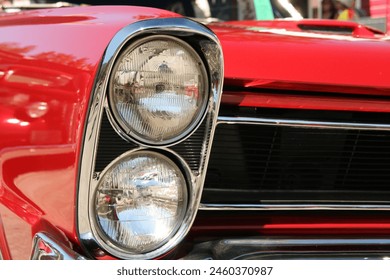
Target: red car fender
point(48, 64)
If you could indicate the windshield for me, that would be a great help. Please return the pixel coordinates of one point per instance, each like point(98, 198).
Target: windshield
point(368, 12)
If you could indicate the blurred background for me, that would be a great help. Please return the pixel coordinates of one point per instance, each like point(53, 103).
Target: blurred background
point(370, 12)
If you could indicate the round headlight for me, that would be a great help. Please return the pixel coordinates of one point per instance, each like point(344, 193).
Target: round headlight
point(158, 90)
point(140, 201)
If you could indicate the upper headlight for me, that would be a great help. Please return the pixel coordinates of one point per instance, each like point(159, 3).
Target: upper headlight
point(158, 90)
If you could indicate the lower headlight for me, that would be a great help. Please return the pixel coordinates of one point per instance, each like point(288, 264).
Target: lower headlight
point(140, 201)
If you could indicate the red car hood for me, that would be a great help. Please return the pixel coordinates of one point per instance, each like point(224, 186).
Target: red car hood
point(304, 55)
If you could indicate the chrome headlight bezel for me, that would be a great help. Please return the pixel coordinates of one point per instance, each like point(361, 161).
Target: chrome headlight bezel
point(206, 44)
point(131, 132)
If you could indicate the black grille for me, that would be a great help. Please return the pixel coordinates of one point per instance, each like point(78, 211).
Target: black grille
point(111, 145)
point(275, 164)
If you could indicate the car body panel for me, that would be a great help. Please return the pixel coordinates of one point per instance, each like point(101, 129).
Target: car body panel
point(293, 59)
point(48, 64)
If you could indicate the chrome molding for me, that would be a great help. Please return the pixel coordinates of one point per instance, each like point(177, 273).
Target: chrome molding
point(92, 241)
point(302, 123)
point(46, 247)
point(35, 6)
point(293, 248)
point(288, 207)
point(380, 206)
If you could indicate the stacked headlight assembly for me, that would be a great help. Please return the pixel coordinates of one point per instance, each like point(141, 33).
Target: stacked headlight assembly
point(160, 80)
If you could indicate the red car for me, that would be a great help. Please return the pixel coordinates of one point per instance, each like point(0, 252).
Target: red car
point(136, 133)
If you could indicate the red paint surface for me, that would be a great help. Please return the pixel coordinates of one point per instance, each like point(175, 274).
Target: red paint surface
point(279, 55)
point(48, 63)
point(300, 224)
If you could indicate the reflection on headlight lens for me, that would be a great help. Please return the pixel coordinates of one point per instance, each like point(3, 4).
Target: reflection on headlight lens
point(140, 201)
point(158, 89)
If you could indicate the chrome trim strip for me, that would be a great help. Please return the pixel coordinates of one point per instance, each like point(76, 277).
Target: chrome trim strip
point(302, 123)
point(293, 248)
point(287, 207)
point(35, 6)
point(281, 242)
point(178, 27)
point(46, 247)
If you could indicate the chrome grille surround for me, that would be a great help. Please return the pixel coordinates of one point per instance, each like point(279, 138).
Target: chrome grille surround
point(283, 206)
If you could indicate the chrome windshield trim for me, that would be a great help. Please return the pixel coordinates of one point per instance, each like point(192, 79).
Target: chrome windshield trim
point(288, 207)
point(302, 123)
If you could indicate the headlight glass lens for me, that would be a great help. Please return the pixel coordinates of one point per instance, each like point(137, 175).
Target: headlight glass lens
point(158, 90)
point(141, 201)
